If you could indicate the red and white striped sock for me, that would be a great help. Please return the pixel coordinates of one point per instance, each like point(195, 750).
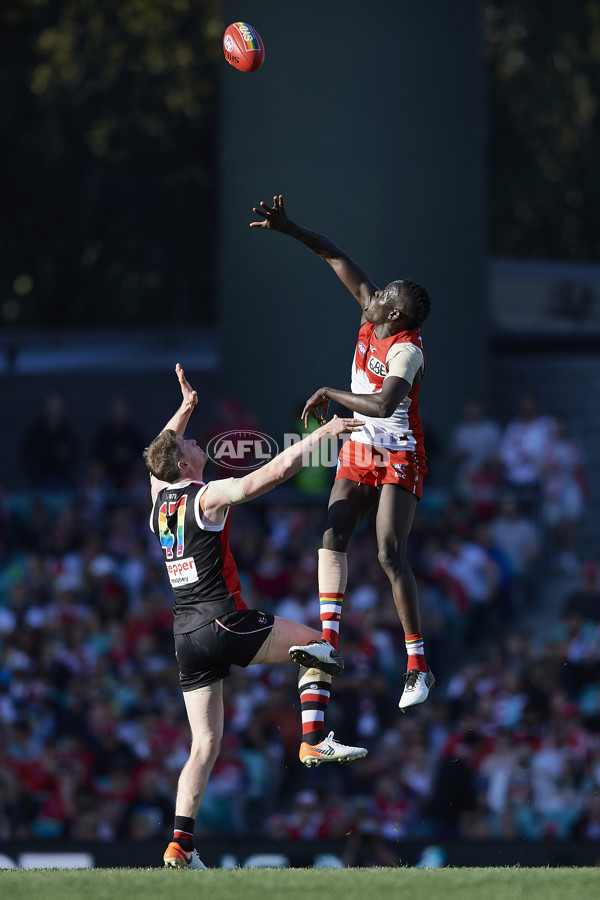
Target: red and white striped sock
point(416, 653)
point(315, 689)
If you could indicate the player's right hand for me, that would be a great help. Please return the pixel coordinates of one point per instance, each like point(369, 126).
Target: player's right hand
point(274, 217)
point(189, 395)
point(316, 405)
point(341, 426)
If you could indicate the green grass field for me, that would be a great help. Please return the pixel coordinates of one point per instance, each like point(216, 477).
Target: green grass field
point(300, 884)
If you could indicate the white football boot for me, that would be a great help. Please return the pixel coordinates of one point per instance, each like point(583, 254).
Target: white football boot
point(416, 688)
point(329, 750)
point(319, 655)
point(176, 858)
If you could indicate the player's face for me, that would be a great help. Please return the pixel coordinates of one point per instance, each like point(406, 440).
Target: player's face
point(381, 304)
point(193, 455)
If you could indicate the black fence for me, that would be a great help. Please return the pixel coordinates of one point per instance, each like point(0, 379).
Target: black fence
point(302, 854)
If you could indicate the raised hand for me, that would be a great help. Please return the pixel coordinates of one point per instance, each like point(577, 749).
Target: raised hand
point(273, 217)
point(189, 395)
point(318, 405)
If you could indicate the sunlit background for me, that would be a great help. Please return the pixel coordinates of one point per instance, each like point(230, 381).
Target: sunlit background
point(454, 143)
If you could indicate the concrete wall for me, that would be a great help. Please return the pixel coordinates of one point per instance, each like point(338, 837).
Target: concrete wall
point(368, 117)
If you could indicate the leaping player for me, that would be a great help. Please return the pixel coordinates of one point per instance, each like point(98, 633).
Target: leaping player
point(212, 626)
point(384, 464)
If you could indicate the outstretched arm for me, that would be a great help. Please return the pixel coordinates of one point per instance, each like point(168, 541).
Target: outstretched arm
point(275, 218)
point(189, 399)
point(179, 420)
point(380, 405)
point(280, 469)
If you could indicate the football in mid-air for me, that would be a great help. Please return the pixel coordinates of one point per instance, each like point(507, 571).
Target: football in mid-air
point(243, 47)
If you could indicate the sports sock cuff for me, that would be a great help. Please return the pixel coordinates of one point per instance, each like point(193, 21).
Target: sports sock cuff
point(310, 676)
point(184, 824)
point(333, 571)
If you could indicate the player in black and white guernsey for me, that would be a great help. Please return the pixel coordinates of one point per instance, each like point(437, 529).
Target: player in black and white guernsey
point(199, 563)
point(213, 628)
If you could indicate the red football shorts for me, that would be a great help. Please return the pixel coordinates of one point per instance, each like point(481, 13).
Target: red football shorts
point(376, 466)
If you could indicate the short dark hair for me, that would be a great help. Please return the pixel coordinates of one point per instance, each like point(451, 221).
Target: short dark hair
point(415, 302)
point(162, 456)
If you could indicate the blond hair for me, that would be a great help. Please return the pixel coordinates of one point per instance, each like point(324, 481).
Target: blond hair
point(162, 455)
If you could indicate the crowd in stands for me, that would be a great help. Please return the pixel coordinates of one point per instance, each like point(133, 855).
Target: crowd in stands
point(93, 732)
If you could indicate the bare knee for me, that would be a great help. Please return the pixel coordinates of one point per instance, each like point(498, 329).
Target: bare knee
point(206, 751)
point(335, 538)
point(393, 561)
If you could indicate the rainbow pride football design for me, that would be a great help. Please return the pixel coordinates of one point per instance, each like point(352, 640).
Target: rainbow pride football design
point(249, 36)
point(167, 538)
point(243, 47)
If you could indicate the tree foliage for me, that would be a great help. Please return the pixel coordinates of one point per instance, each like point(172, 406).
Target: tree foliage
point(109, 108)
point(543, 74)
point(109, 123)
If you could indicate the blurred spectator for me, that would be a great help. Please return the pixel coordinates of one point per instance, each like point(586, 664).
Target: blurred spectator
point(271, 575)
point(224, 803)
point(564, 489)
point(118, 444)
point(587, 827)
point(523, 446)
point(475, 574)
point(520, 819)
point(483, 538)
point(519, 538)
point(495, 774)
point(482, 488)
point(585, 599)
point(49, 448)
point(365, 842)
point(86, 713)
point(93, 491)
point(558, 796)
point(305, 821)
point(453, 790)
point(151, 803)
point(474, 445)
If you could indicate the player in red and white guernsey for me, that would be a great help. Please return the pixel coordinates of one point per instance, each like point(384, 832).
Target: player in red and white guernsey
point(384, 464)
point(213, 628)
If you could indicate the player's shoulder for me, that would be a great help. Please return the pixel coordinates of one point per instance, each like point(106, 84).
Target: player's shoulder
point(406, 342)
point(180, 487)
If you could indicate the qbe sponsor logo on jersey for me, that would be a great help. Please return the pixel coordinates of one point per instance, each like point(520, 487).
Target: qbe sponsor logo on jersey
point(377, 367)
point(182, 572)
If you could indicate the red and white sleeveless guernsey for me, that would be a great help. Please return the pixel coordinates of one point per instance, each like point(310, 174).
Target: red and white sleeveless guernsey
point(402, 430)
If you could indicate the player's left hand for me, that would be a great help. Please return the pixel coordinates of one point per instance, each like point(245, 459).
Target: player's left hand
point(273, 217)
point(190, 397)
point(318, 405)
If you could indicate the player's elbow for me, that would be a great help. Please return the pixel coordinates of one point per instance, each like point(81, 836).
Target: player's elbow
point(384, 407)
point(388, 400)
point(333, 255)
